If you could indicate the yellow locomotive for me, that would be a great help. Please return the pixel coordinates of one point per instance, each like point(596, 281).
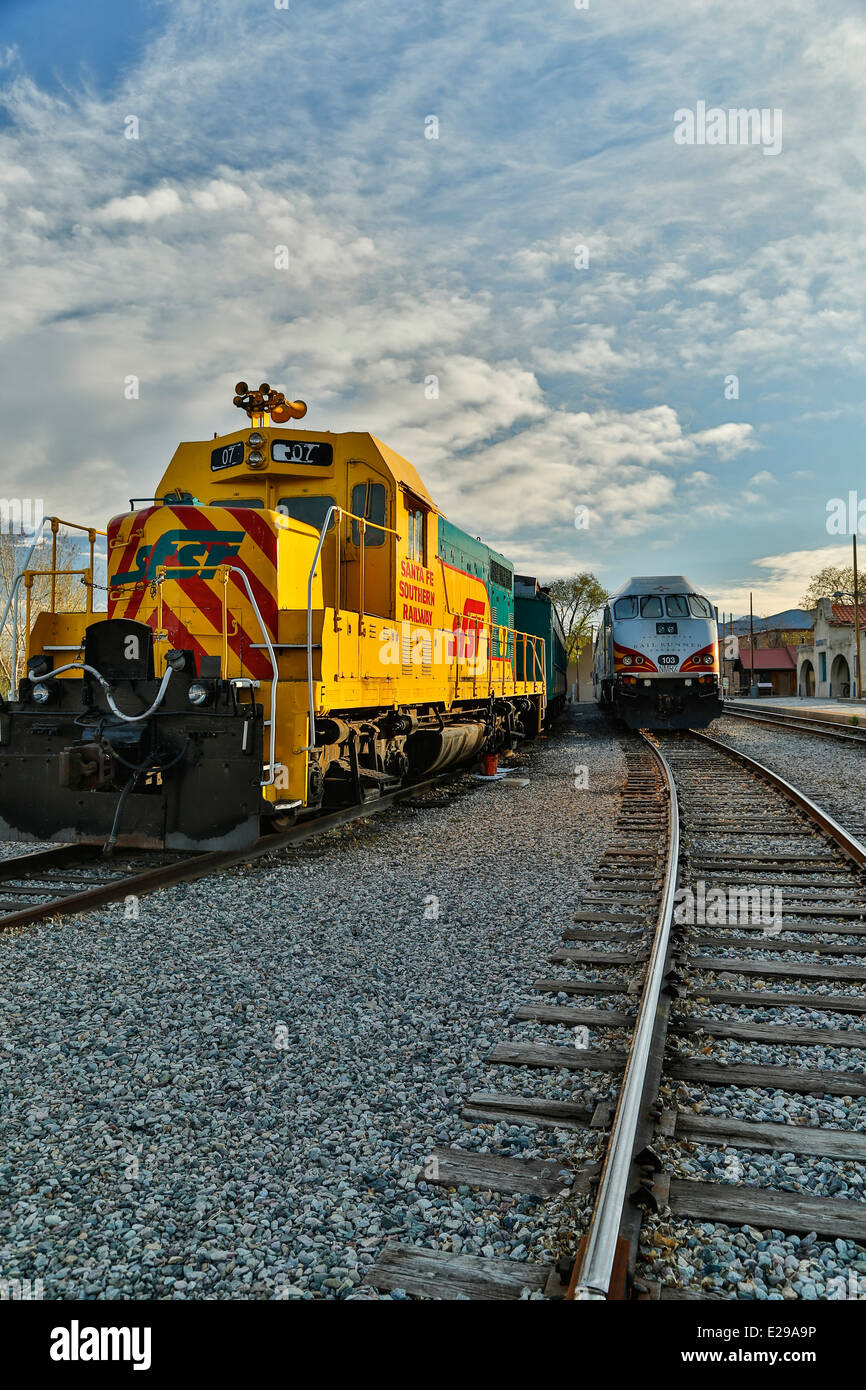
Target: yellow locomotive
point(292, 623)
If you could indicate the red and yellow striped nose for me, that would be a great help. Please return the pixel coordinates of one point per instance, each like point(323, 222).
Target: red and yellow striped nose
point(181, 569)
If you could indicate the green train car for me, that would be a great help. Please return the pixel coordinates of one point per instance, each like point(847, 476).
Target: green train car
point(534, 612)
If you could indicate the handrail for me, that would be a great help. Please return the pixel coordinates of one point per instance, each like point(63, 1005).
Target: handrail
point(12, 600)
point(486, 625)
point(91, 531)
point(338, 512)
point(29, 575)
point(333, 510)
point(233, 569)
point(596, 1267)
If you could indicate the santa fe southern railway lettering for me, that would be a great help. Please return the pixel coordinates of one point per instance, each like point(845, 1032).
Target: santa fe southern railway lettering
point(416, 594)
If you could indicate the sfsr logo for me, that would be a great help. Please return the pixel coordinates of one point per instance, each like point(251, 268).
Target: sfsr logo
point(191, 552)
point(467, 626)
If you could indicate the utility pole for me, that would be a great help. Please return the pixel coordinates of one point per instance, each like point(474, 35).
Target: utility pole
point(751, 645)
point(856, 621)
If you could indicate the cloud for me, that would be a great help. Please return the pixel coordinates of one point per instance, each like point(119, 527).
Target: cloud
point(219, 195)
point(455, 258)
point(784, 583)
point(150, 207)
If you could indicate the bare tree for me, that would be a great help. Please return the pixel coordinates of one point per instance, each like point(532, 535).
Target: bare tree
point(70, 592)
point(826, 582)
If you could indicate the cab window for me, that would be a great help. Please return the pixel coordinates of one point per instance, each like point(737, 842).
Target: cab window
point(677, 606)
point(368, 501)
point(311, 510)
point(651, 606)
point(700, 607)
point(416, 535)
point(625, 607)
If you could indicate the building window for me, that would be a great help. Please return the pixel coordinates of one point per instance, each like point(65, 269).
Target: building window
point(417, 536)
point(823, 666)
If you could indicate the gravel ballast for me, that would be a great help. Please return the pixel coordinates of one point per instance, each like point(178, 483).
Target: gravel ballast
point(235, 1094)
point(830, 772)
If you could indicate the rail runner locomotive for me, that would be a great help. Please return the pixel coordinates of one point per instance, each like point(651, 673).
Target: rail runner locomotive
point(292, 624)
point(656, 655)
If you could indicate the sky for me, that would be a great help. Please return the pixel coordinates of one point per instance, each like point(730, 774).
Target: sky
point(582, 285)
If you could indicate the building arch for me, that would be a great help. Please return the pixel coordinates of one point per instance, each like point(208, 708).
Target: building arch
point(840, 676)
point(806, 682)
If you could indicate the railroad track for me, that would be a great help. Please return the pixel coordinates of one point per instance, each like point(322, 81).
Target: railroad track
point(696, 815)
point(69, 879)
point(797, 723)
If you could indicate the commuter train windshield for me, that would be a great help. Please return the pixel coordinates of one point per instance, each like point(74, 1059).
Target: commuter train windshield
point(651, 606)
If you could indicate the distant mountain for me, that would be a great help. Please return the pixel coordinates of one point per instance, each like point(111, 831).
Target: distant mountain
point(792, 618)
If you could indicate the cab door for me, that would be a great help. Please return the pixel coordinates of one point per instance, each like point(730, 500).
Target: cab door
point(370, 495)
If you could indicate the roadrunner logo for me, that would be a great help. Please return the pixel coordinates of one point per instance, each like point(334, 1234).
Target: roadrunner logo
point(187, 552)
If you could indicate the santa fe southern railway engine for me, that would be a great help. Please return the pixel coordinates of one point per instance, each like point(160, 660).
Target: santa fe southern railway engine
point(656, 657)
point(292, 623)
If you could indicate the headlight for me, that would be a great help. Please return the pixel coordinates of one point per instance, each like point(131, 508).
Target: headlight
point(41, 694)
point(197, 694)
point(256, 459)
point(626, 661)
point(255, 440)
point(38, 666)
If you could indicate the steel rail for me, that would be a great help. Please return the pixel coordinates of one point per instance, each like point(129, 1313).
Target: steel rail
point(798, 723)
point(593, 1277)
point(854, 848)
point(183, 870)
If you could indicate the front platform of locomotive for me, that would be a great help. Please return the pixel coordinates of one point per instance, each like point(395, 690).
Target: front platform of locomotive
point(663, 654)
point(145, 725)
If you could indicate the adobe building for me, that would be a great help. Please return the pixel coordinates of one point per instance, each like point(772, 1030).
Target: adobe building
point(826, 665)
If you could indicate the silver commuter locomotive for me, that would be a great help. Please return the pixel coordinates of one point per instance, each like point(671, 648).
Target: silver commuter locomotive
point(656, 656)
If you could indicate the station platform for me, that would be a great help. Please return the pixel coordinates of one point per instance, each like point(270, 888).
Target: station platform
point(808, 707)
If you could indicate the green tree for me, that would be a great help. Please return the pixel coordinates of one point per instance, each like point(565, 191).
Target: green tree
point(576, 599)
point(825, 583)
